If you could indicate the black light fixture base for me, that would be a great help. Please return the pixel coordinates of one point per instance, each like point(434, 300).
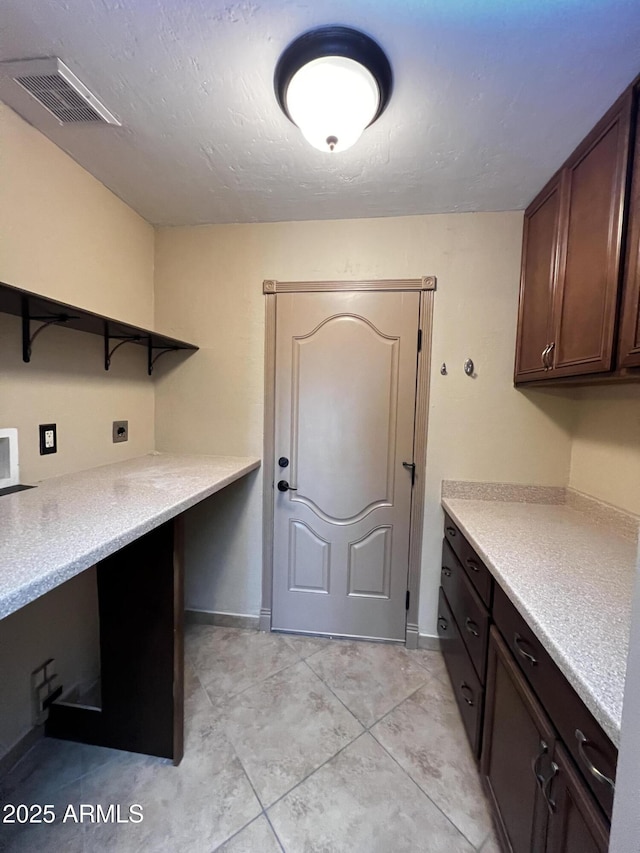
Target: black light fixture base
point(333, 41)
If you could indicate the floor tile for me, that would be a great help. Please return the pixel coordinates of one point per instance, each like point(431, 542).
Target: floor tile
point(258, 837)
point(194, 806)
point(268, 713)
point(425, 735)
point(191, 681)
point(49, 765)
point(433, 662)
point(491, 845)
point(229, 660)
point(362, 802)
point(62, 834)
point(370, 678)
point(304, 647)
point(285, 727)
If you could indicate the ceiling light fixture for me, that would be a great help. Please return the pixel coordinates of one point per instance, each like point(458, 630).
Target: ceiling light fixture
point(332, 83)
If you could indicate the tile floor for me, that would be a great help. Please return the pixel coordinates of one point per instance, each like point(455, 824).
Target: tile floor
point(293, 744)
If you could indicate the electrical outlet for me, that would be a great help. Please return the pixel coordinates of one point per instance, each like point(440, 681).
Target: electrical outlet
point(48, 439)
point(120, 431)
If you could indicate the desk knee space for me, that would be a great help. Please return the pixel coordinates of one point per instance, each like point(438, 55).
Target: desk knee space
point(141, 607)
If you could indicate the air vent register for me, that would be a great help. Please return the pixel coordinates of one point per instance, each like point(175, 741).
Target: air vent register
point(58, 90)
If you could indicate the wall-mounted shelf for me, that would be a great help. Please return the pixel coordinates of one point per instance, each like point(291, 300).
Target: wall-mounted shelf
point(39, 312)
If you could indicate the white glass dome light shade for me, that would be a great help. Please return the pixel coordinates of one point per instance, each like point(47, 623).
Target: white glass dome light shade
point(332, 100)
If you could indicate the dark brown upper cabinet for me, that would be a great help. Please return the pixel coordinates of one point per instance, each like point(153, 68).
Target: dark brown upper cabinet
point(539, 260)
point(629, 348)
point(572, 258)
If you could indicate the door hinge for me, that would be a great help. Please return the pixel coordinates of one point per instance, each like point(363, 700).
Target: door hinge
point(407, 600)
point(419, 340)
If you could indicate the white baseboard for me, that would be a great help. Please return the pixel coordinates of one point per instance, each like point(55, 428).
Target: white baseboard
point(20, 748)
point(223, 620)
point(429, 642)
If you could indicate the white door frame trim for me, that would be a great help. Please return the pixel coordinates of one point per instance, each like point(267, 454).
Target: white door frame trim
point(427, 286)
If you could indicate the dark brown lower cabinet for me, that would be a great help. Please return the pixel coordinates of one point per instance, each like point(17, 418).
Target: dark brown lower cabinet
point(546, 765)
point(467, 689)
point(541, 802)
point(576, 824)
point(518, 743)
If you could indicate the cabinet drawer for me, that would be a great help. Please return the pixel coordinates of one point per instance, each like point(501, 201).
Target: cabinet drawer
point(464, 681)
point(591, 749)
point(468, 610)
point(474, 567)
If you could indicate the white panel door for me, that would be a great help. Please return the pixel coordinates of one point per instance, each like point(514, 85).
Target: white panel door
point(345, 402)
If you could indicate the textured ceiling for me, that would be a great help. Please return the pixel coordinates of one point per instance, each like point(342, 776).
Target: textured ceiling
point(490, 97)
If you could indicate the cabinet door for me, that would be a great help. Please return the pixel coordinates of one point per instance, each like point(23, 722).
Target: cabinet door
point(629, 347)
point(576, 824)
point(537, 282)
point(518, 743)
point(585, 309)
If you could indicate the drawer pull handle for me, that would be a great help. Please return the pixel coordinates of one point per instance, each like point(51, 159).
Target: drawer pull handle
point(472, 627)
point(442, 623)
point(517, 640)
point(536, 761)
point(446, 571)
point(473, 565)
point(468, 699)
point(451, 531)
point(582, 742)
point(551, 804)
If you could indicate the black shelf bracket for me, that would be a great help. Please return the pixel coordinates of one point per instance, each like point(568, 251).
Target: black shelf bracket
point(123, 339)
point(163, 350)
point(32, 309)
point(46, 320)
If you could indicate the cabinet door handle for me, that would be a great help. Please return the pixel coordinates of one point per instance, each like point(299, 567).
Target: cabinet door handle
point(551, 804)
point(536, 761)
point(582, 742)
point(443, 624)
point(451, 531)
point(472, 564)
point(468, 699)
point(446, 571)
point(543, 357)
point(517, 640)
point(471, 626)
point(550, 349)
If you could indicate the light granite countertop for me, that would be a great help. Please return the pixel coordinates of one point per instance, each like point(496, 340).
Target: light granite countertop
point(571, 580)
point(53, 532)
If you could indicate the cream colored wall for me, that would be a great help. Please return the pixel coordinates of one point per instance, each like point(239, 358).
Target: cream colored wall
point(63, 234)
point(65, 383)
point(605, 456)
point(209, 289)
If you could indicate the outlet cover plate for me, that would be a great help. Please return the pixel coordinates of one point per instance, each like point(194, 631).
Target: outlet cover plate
point(48, 439)
point(120, 431)
point(9, 468)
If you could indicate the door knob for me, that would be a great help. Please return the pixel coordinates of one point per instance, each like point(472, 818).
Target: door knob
point(283, 486)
